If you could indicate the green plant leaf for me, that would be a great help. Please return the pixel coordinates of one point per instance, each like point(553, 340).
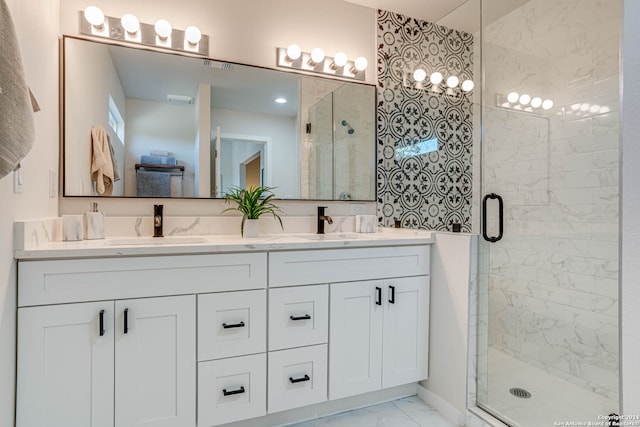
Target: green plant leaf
point(252, 203)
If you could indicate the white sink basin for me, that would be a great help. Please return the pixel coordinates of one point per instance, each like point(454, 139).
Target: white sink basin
point(330, 236)
point(170, 240)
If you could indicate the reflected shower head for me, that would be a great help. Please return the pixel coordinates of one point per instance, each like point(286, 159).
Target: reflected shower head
point(350, 130)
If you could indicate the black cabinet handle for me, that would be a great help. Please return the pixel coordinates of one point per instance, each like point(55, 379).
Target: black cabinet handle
point(305, 317)
point(492, 239)
point(101, 322)
point(232, 392)
point(299, 380)
point(233, 325)
point(392, 296)
point(126, 320)
point(378, 296)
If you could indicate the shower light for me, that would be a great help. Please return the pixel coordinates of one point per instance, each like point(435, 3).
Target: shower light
point(419, 75)
point(317, 56)
point(163, 29)
point(436, 78)
point(95, 16)
point(130, 23)
point(467, 85)
point(547, 104)
point(193, 35)
point(340, 60)
point(360, 63)
point(525, 99)
point(293, 52)
point(536, 102)
point(453, 81)
point(513, 97)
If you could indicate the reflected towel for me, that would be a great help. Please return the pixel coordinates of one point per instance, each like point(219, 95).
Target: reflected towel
point(158, 160)
point(114, 161)
point(101, 163)
point(16, 115)
point(153, 184)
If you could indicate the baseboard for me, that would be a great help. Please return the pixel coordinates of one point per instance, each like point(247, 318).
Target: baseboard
point(447, 410)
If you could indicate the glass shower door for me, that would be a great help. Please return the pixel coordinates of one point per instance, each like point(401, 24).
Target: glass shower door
point(548, 340)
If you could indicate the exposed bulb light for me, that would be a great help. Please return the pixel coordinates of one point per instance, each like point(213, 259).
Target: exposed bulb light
point(360, 64)
point(130, 23)
point(280, 100)
point(317, 56)
point(604, 110)
point(467, 85)
point(293, 52)
point(193, 35)
point(95, 16)
point(419, 75)
point(436, 78)
point(525, 99)
point(513, 97)
point(453, 81)
point(340, 60)
point(547, 104)
point(536, 102)
point(163, 29)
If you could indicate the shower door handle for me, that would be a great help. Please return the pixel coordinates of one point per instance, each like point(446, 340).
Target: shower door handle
point(492, 239)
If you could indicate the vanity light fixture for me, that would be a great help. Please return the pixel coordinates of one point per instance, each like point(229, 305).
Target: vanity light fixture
point(527, 103)
point(315, 61)
point(436, 78)
point(128, 28)
point(437, 83)
point(467, 85)
point(419, 75)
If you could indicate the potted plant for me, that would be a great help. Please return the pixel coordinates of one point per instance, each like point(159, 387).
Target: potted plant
point(252, 203)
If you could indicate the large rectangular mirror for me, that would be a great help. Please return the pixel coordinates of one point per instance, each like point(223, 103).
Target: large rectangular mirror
point(167, 125)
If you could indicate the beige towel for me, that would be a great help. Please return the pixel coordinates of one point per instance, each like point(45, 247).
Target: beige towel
point(16, 115)
point(101, 163)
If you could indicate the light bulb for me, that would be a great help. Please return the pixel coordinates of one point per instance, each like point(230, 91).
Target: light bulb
point(130, 23)
point(513, 97)
point(525, 99)
point(317, 55)
point(604, 110)
point(361, 63)
point(340, 60)
point(94, 15)
point(467, 85)
point(280, 100)
point(594, 108)
point(193, 35)
point(536, 102)
point(453, 81)
point(584, 107)
point(293, 52)
point(419, 75)
point(163, 29)
point(436, 78)
point(547, 104)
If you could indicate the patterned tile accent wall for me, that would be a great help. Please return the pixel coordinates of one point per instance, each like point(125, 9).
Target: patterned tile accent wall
point(431, 190)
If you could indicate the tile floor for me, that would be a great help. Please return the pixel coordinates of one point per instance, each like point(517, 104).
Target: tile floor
point(408, 412)
point(553, 399)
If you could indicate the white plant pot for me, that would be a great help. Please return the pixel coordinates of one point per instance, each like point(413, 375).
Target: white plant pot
point(251, 228)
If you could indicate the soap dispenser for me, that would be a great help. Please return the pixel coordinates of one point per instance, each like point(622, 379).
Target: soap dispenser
point(94, 223)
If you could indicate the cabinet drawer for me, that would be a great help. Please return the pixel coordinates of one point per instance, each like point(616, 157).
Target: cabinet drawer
point(79, 280)
point(232, 389)
point(298, 316)
point(346, 265)
point(231, 324)
point(297, 377)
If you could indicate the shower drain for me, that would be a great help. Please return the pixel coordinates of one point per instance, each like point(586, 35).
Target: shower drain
point(520, 392)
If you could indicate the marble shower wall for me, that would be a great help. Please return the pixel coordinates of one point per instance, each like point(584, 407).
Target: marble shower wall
point(553, 278)
point(431, 190)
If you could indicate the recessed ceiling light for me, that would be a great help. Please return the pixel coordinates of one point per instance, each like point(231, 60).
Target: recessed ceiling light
point(280, 100)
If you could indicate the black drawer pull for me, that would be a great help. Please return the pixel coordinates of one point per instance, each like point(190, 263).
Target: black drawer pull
point(305, 317)
point(392, 297)
point(101, 322)
point(126, 320)
point(233, 325)
point(299, 380)
point(378, 296)
point(232, 392)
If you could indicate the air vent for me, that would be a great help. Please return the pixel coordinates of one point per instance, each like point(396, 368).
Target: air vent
point(179, 99)
point(209, 63)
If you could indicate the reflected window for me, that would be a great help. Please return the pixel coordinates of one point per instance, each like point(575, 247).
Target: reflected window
point(417, 149)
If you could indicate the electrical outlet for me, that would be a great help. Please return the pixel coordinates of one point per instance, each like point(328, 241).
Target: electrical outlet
point(18, 180)
point(357, 209)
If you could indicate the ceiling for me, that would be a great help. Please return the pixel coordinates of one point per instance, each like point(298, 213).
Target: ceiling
point(426, 10)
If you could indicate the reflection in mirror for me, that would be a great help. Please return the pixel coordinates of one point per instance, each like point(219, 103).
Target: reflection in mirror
point(178, 126)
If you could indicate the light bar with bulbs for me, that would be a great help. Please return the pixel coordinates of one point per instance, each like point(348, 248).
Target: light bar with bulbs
point(436, 83)
point(316, 62)
point(523, 102)
point(128, 28)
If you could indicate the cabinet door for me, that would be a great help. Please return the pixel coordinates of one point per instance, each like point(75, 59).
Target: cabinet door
point(65, 365)
point(406, 330)
point(355, 349)
point(156, 362)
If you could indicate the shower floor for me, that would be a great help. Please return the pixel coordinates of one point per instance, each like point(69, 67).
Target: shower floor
point(553, 401)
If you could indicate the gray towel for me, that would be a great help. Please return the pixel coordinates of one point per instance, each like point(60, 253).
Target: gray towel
point(153, 184)
point(158, 160)
point(16, 115)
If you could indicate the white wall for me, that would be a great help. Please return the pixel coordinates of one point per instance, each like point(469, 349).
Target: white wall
point(87, 64)
point(37, 27)
point(630, 272)
point(159, 126)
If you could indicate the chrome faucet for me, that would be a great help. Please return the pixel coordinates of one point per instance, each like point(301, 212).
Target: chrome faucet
point(157, 221)
point(322, 218)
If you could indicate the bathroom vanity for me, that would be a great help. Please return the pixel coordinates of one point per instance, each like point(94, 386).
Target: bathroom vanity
point(211, 329)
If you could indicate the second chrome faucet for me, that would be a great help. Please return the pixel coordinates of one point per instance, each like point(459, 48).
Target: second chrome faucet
point(322, 218)
point(157, 221)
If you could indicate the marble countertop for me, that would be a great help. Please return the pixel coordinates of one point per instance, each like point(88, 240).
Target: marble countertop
point(200, 244)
